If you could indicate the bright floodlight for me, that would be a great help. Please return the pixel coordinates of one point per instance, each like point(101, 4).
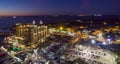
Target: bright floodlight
point(104, 43)
point(61, 28)
point(93, 41)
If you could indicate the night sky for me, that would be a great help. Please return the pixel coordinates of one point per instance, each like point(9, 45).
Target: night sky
point(58, 7)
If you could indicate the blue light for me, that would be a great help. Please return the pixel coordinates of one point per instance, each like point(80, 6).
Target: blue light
point(93, 41)
point(104, 43)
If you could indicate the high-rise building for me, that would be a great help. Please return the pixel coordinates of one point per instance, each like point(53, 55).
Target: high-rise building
point(32, 32)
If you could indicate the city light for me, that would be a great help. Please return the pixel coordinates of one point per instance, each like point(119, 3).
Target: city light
point(61, 28)
point(104, 43)
point(93, 41)
point(91, 54)
point(60, 32)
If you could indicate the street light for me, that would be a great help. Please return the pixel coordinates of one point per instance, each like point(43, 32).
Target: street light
point(61, 28)
point(104, 43)
point(93, 41)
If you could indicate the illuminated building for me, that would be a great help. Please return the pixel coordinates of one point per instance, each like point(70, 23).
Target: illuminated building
point(32, 32)
point(91, 54)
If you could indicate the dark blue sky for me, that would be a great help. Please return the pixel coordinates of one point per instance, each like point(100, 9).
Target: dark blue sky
point(56, 7)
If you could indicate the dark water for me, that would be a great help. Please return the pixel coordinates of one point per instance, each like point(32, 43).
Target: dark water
point(1, 39)
point(7, 22)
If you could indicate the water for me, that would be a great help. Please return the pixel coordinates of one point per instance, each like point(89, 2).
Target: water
point(1, 39)
point(7, 22)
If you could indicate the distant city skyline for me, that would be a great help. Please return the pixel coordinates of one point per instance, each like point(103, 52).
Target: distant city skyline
point(58, 7)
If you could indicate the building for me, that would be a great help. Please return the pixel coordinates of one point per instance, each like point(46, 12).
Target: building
point(91, 54)
point(32, 32)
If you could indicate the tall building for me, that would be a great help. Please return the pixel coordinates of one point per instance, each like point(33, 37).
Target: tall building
point(32, 32)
